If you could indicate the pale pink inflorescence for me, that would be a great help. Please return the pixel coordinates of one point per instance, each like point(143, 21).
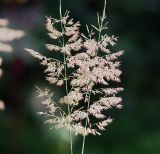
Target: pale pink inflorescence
point(7, 35)
point(88, 68)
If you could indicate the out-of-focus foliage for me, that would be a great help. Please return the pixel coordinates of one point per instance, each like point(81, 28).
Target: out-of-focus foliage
point(136, 128)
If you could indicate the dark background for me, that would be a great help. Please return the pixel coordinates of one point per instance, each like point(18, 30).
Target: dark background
point(136, 128)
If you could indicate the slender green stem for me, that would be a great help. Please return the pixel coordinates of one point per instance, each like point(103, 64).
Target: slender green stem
point(84, 136)
point(66, 85)
point(65, 72)
point(84, 139)
point(50, 59)
point(101, 21)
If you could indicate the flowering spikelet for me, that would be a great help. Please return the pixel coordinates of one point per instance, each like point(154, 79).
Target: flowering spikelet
point(53, 32)
point(35, 54)
point(88, 66)
point(91, 46)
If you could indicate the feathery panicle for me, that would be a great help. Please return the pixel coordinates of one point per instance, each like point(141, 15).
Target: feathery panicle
point(11, 34)
point(7, 35)
point(88, 66)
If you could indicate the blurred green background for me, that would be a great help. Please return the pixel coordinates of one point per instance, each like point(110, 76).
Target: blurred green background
point(136, 128)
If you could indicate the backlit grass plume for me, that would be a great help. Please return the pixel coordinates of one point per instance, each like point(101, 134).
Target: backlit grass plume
point(7, 35)
point(87, 70)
